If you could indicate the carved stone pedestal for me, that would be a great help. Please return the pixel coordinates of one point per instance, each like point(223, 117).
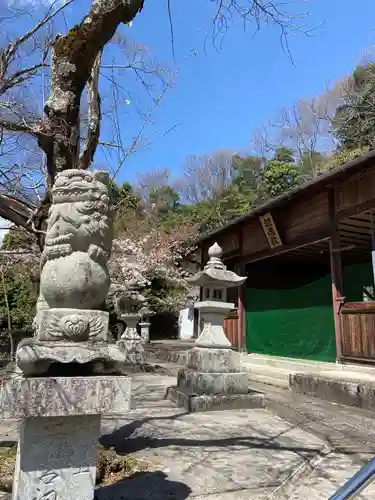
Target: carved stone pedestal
point(212, 380)
point(57, 449)
point(35, 357)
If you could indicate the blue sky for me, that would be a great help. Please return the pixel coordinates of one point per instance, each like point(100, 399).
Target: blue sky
point(221, 97)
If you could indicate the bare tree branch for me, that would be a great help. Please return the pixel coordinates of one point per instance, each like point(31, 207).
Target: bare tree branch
point(259, 13)
point(12, 47)
point(16, 211)
point(206, 176)
point(19, 77)
point(7, 54)
point(16, 127)
point(74, 66)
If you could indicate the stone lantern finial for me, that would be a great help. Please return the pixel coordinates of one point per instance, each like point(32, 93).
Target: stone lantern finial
point(215, 251)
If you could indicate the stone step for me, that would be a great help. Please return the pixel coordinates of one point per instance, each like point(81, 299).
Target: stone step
point(346, 388)
point(290, 364)
point(268, 375)
point(271, 371)
point(302, 365)
point(274, 370)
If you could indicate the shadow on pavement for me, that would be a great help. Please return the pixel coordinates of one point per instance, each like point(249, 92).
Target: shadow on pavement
point(144, 486)
point(122, 442)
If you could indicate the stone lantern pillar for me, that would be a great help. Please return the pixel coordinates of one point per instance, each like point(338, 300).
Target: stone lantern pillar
point(212, 378)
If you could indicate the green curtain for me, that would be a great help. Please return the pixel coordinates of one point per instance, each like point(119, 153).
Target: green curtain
point(355, 279)
point(298, 322)
point(294, 322)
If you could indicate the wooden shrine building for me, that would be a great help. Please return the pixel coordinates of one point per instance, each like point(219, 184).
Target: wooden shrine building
point(307, 255)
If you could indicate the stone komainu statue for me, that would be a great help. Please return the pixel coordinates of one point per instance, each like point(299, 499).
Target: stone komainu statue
point(70, 325)
point(78, 242)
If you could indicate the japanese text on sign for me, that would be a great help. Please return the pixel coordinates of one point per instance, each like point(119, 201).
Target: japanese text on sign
point(270, 230)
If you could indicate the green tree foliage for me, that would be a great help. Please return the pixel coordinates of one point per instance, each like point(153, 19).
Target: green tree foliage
point(312, 163)
point(21, 288)
point(345, 155)
point(252, 180)
point(162, 293)
point(246, 175)
point(17, 238)
point(20, 282)
point(284, 155)
point(127, 204)
point(164, 199)
point(278, 178)
point(354, 121)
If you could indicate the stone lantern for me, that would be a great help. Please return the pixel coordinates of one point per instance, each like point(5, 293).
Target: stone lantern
point(214, 280)
point(129, 305)
point(212, 378)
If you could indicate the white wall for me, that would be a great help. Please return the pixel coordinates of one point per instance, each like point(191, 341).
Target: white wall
point(186, 324)
point(3, 231)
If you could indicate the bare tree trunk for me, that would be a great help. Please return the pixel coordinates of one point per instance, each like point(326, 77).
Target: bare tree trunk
point(73, 60)
point(75, 64)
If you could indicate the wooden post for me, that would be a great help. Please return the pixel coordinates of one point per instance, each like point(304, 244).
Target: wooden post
point(373, 245)
point(196, 329)
point(242, 311)
point(372, 230)
point(336, 271)
point(241, 299)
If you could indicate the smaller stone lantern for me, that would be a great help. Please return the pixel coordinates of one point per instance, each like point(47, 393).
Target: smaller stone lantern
point(145, 324)
point(128, 306)
point(212, 378)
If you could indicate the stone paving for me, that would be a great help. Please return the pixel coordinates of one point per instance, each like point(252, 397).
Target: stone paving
point(295, 449)
point(235, 455)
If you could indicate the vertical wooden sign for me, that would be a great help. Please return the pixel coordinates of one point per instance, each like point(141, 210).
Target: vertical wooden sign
point(270, 230)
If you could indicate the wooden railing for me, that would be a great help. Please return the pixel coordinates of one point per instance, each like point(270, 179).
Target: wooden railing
point(230, 326)
point(358, 331)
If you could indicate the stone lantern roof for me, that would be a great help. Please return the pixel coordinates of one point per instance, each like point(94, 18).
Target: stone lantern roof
point(215, 273)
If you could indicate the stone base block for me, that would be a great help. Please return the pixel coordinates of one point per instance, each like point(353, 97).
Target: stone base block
point(35, 358)
point(209, 402)
point(22, 397)
point(210, 360)
point(213, 383)
point(57, 458)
